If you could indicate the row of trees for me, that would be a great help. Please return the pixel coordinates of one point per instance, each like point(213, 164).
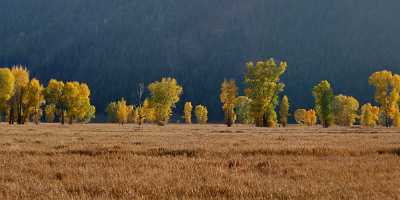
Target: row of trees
point(23, 99)
point(158, 108)
point(263, 89)
point(263, 93)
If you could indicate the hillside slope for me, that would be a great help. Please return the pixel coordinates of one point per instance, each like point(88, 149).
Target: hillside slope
point(116, 44)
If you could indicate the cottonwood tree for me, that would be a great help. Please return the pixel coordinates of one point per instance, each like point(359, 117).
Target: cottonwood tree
point(122, 112)
point(21, 81)
point(50, 112)
point(263, 86)
point(305, 117)
point(7, 82)
point(164, 95)
point(300, 116)
point(201, 113)
point(242, 107)
point(369, 115)
point(188, 108)
point(54, 96)
point(323, 95)
point(284, 111)
point(345, 109)
point(229, 92)
point(387, 88)
point(33, 100)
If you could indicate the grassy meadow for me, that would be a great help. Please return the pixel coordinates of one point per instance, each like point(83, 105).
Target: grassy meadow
point(106, 161)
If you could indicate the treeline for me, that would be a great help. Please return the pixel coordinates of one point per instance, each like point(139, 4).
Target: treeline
point(115, 45)
point(23, 99)
point(264, 103)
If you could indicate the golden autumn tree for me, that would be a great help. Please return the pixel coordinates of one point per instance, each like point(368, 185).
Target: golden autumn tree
point(345, 109)
point(305, 117)
point(263, 86)
point(188, 108)
point(311, 118)
point(369, 115)
point(149, 111)
point(33, 100)
point(164, 95)
point(300, 116)
point(201, 113)
point(284, 111)
point(50, 113)
point(21, 81)
point(229, 92)
point(132, 114)
point(122, 112)
point(387, 88)
point(7, 82)
point(77, 102)
point(323, 95)
point(53, 94)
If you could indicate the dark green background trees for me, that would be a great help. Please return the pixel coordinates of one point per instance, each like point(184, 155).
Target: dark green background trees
point(115, 44)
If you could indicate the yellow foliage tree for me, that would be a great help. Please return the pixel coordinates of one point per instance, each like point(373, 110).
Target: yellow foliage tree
point(122, 112)
point(54, 96)
point(164, 95)
point(369, 115)
point(345, 109)
point(50, 111)
point(263, 86)
point(311, 118)
point(300, 116)
point(201, 114)
point(228, 96)
point(387, 88)
point(306, 117)
point(284, 111)
point(21, 77)
point(7, 82)
point(33, 100)
point(188, 112)
point(132, 114)
point(149, 112)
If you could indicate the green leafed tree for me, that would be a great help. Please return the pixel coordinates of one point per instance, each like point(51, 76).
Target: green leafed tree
point(229, 92)
point(263, 86)
point(242, 107)
point(164, 95)
point(284, 111)
point(323, 95)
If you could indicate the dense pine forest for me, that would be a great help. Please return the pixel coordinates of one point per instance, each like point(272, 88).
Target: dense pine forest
point(113, 45)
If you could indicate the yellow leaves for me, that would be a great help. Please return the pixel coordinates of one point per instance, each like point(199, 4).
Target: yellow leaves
point(307, 117)
point(201, 114)
point(387, 88)
point(369, 115)
point(21, 75)
point(188, 112)
point(7, 82)
point(263, 85)
point(122, 112)
point(164, 95)
point(345, 109)
point(228, 96)
point(284, 111)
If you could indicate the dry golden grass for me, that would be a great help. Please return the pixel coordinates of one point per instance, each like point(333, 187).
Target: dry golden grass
point(102, 161)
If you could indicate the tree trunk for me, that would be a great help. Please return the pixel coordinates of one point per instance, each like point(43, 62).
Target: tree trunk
point(11, 119)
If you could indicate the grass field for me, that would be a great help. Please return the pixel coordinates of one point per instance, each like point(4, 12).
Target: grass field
point(100, 161)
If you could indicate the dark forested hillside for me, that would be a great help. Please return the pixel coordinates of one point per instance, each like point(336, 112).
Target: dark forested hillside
point(115, 44)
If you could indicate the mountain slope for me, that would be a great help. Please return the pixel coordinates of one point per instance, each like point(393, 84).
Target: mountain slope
point(116, 44)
